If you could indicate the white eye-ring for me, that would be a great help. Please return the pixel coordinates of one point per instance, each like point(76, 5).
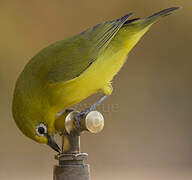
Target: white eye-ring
point(41, 129)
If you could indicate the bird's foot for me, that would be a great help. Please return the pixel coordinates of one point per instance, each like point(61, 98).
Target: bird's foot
point(78, 119)
point(80, 115)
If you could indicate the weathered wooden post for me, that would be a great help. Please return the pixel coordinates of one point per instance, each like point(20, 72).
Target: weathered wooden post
point(71, 161)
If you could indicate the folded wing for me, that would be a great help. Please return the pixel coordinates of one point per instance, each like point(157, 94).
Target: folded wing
point(78, 53)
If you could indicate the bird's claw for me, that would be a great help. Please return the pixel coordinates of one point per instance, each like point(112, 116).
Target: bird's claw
point(78, 119)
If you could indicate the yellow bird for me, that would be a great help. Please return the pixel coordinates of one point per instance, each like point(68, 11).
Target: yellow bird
point(70, 70)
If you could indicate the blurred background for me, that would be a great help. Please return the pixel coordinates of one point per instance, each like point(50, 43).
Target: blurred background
point(148, 123)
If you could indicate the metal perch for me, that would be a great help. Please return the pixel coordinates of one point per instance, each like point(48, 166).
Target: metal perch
point(71, 160)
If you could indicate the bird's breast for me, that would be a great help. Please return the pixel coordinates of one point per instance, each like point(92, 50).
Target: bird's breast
point(90, 81)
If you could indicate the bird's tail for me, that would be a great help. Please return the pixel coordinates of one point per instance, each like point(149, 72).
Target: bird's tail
point(142, 23)
point(155, 17)
point(133, 29)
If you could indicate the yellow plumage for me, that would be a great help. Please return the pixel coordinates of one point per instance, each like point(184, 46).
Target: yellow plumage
point(98, 76)
point(69, 71)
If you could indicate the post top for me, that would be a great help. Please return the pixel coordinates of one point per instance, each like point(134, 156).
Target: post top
point(92, 122)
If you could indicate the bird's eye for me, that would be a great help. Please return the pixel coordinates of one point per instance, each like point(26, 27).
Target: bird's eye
point(41, 129)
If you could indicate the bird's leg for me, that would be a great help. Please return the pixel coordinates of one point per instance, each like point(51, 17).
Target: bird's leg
point(92, 107)
point(89, 109)
point(107, 90)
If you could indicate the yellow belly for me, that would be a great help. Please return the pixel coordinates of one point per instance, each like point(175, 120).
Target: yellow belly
point(94, 79)
point(97, 76)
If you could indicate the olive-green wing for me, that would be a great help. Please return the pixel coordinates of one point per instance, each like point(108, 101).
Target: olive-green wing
point(79, 52)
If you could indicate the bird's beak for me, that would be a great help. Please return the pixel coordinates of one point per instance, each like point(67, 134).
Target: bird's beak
point(51, 142)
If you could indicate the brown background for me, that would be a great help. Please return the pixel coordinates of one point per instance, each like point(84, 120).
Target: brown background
point(148, 121)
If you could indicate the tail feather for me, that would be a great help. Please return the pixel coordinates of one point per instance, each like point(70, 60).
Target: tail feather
point(164, 12)
point(133, 29)
point(142, 23)
point(160, 14)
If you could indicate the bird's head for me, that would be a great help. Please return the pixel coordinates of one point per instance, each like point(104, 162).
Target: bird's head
point(35, 122)
point(42, 135)
point(40, 131)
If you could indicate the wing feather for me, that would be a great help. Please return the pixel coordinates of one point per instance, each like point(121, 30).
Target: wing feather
point(79, 52)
